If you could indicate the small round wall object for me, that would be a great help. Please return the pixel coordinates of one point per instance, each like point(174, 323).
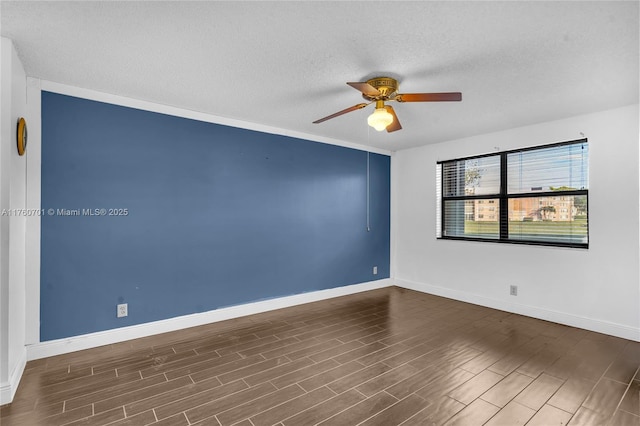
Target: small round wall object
point(22, 136)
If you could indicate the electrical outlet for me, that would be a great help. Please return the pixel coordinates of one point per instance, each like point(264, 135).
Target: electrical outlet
point(513, 290)
point(375, 270)
point(122, 310)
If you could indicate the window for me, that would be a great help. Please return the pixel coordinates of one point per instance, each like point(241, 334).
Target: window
point(537, 195)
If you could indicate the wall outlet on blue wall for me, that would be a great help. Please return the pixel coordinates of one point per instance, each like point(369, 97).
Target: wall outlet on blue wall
point(375, 270)
point(123, 310)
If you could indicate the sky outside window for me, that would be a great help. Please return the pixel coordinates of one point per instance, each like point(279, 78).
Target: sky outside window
point(551, 169)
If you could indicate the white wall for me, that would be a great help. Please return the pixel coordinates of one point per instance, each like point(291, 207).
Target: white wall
point(596, 289)
point(12, 224)
point(32, 244)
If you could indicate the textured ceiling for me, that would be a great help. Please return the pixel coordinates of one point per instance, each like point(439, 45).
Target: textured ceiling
point(285, 64)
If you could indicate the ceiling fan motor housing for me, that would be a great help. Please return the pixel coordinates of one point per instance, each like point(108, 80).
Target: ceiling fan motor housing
point(387, 86)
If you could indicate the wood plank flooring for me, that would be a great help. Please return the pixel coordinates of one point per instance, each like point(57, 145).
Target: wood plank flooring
point(385, 357)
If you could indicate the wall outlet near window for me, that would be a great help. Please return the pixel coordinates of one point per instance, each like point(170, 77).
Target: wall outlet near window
point(375, 270)
point(513, 290)
point(122, 310)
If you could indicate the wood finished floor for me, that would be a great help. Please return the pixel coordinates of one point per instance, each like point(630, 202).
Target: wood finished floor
point(385, 357)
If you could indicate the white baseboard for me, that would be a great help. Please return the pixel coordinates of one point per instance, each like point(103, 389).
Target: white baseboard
point(599, 326)
point(8, 389)
point(101, 338)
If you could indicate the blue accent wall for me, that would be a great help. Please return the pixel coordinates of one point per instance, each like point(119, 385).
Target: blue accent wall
point(216, 216)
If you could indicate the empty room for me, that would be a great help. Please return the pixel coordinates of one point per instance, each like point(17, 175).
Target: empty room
point(292, 213)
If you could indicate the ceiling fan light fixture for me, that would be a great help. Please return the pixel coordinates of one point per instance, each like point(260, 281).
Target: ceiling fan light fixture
point(385, 89)
point(380, 119)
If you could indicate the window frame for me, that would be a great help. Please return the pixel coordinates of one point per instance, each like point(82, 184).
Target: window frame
point(503, 198)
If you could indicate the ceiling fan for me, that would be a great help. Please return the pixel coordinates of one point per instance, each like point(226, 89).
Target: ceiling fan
point(385, 89)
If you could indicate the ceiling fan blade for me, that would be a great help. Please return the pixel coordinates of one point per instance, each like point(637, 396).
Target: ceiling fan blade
point(429, 97)
point(395, 125)
point(365, 88)
point(339, 113)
